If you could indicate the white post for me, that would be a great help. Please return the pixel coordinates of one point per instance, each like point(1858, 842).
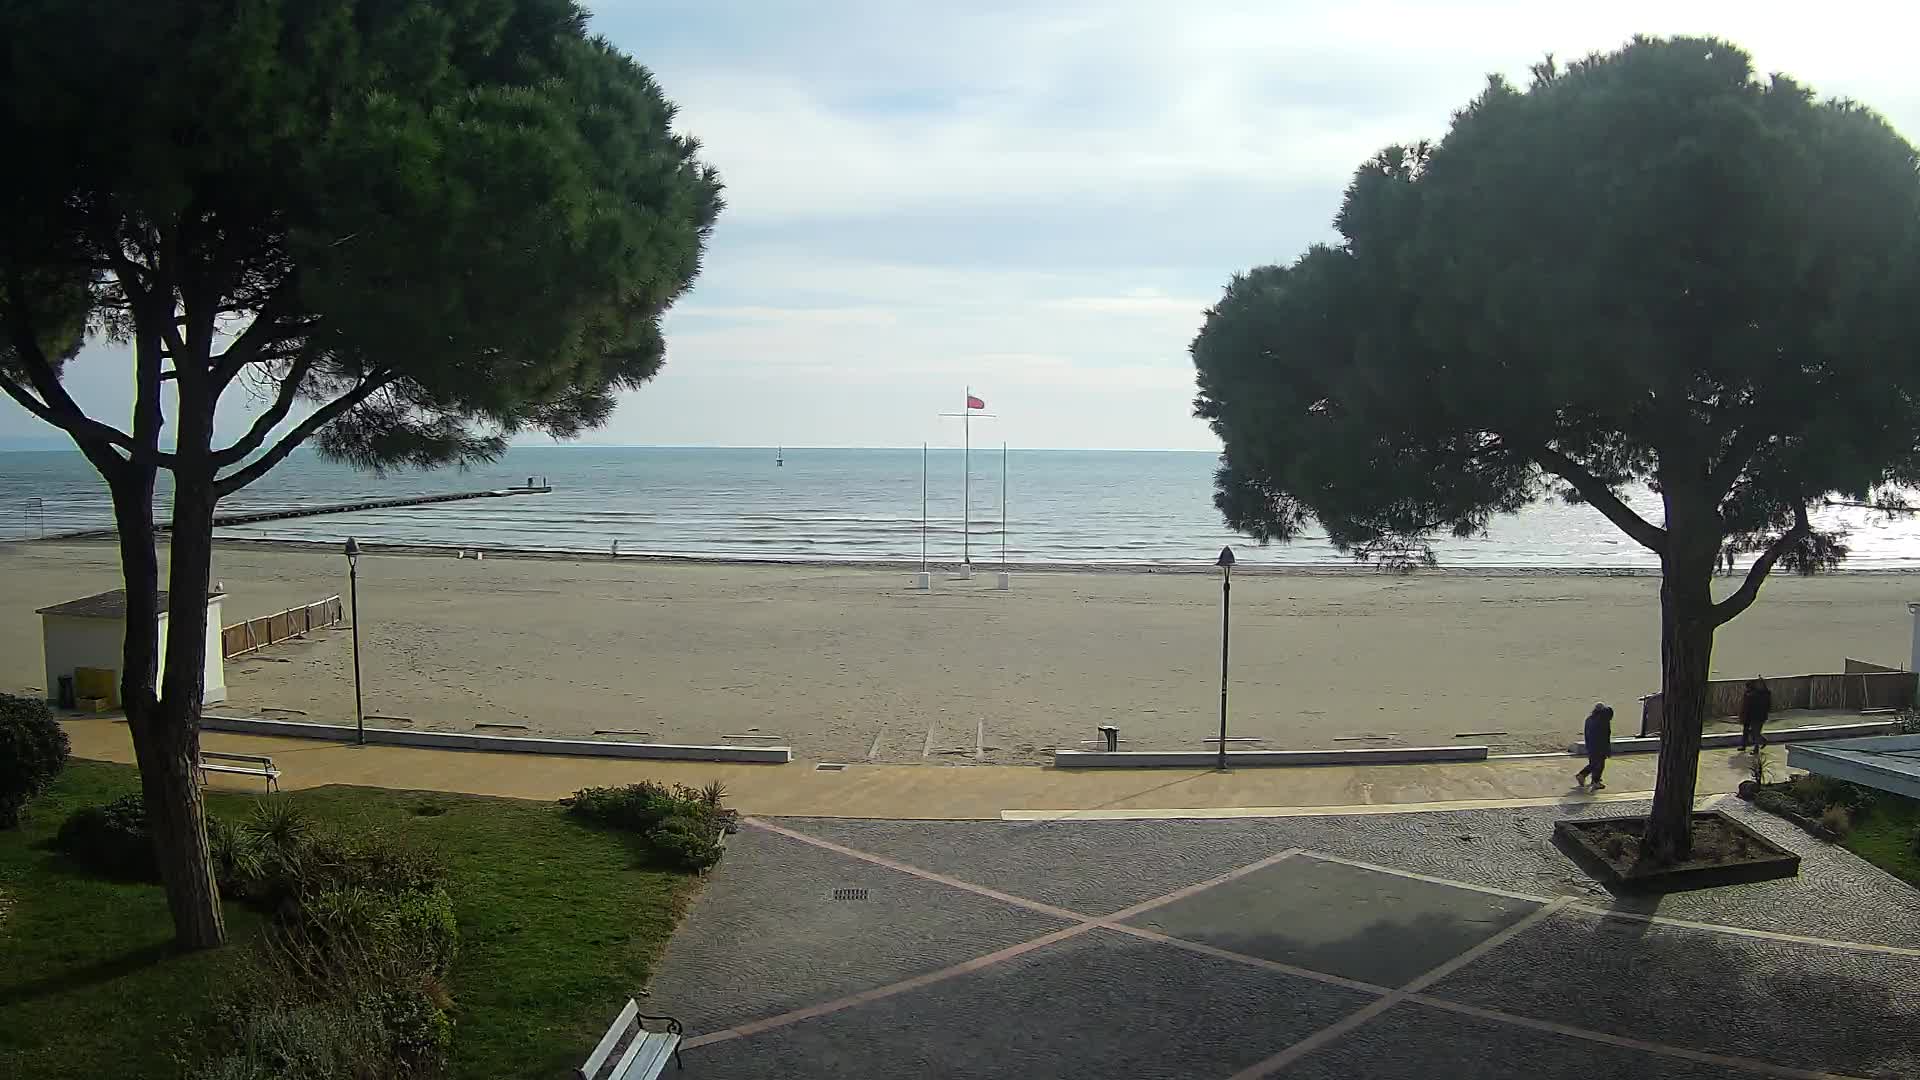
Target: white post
point(966, 487)
point(1913, 609)
point(1001, 584)
point(923, 580)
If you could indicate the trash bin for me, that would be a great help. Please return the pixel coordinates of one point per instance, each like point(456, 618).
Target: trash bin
point(64, 695)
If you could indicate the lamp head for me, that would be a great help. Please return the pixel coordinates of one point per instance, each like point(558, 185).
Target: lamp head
point(1225, 561)
point(353, 549)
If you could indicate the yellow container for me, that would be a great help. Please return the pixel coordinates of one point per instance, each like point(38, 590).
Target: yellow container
point(93, 682)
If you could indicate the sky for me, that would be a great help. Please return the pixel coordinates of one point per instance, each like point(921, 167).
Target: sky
point(1040, 200)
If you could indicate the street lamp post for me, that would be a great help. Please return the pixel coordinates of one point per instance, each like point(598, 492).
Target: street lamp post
point(1225, 563)
point(353, 594)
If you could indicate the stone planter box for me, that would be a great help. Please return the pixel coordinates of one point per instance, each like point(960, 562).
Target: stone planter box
point(1586, 842)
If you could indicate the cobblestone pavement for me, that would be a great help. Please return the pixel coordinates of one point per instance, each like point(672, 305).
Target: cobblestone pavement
point(1414, 945)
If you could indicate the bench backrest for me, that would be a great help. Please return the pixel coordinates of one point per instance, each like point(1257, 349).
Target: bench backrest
point(255, 758)
point(622, 1024)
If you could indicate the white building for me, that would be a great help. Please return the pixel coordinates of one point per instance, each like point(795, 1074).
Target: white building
point(91, 633)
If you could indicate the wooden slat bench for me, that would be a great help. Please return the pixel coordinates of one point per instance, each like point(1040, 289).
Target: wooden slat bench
point(240, 764)
point(630, 1051)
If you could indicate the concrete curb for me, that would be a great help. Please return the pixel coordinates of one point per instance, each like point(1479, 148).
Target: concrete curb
point(1637, 745)
point(453, 740)
point(1200, 759)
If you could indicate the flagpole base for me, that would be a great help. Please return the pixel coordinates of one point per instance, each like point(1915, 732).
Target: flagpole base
point(1002, 581)
point(923, 581)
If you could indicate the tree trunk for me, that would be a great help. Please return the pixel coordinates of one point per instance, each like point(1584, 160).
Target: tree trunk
point(165, 745)
point(180, 826)
point(1686, 661)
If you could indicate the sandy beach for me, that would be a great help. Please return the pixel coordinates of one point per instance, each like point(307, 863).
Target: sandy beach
point(849, 664)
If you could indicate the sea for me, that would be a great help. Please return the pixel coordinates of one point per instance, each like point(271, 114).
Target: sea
point(1098, 507)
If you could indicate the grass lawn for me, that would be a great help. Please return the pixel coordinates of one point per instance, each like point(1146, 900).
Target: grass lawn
point(559, 925)
point(1885, 836)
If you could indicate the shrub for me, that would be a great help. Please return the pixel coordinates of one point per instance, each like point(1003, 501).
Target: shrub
point(417, 1033)
point(33, 750)
point(1838, 820)
point(1815, 793)
point(635, 807)
point(239, 868)
point(685, 843)
point(298, 1041)
point(111, 840)
point(1775, 801)
point(676, 826)
point(423, 922)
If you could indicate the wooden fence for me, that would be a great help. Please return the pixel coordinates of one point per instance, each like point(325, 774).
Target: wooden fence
point(242, 638)
point(1862, 687)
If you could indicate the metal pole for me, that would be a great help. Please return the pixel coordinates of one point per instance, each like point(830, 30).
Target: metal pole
point(966, 483)
point(923, 508)
point(1226, 596)
point(1003, 507)
point(359, 712)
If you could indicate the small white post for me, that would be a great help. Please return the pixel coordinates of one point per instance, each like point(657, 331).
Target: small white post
point(1913, 609)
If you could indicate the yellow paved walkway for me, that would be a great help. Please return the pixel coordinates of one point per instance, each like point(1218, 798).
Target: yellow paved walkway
point(930, 791)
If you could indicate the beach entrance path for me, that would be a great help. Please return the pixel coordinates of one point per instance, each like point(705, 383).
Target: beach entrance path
point(1415, 945)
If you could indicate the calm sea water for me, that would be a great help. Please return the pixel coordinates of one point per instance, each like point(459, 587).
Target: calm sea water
point(1062, 506)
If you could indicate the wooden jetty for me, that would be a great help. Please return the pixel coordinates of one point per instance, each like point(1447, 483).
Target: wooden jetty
point(255, 517)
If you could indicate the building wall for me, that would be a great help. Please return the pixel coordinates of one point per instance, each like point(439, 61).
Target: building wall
point(71, 643)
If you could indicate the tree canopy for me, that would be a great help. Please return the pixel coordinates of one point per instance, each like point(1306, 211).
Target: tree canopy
point(403, 230)
point(1648, 267)
point(435, 221)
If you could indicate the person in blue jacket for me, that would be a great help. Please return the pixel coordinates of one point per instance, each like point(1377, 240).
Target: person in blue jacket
point(1599, 740)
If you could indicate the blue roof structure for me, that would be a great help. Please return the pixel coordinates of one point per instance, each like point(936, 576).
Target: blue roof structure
point(1887, 762)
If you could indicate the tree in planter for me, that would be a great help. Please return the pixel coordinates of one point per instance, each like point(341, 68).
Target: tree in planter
point(1647, 268)
point(402, 229)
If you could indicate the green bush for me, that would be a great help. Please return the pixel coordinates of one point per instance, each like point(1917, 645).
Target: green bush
point(111, 840)
point(685, 843)
point(418, 1034)
point(300, 1041)
point(677, 826)
point(33, 750)
point(424, 923)
point(1775, 801)
point(238, 865)
point(1815, 793)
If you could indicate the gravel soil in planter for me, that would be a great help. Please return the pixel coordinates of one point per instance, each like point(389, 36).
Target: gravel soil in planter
point(1725, 852)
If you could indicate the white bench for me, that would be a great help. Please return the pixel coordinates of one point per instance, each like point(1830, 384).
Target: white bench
point(629, 1051)
point(242, 764)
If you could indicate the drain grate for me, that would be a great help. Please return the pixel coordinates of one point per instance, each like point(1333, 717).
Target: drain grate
point(829, 766)
point(849, 894)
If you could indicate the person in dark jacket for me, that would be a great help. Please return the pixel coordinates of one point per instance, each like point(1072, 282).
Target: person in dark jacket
point(1754, 708)
point(1599, 740)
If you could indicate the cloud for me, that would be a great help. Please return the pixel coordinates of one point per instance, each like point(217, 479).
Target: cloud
point(1043, 199)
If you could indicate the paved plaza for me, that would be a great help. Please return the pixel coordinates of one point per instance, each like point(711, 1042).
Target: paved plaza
point(1407, 945)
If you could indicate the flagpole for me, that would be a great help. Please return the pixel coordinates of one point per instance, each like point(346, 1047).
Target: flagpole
point(966, 485)
point(923, 508)
point(1003, 507)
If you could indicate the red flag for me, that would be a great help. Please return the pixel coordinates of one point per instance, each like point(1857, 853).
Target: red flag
point(975, 403)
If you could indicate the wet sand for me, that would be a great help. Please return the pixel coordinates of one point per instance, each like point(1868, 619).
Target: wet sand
point(849, 664)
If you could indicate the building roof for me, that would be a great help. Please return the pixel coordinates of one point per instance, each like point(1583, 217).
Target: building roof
point(1887, 762)
point(106, 605)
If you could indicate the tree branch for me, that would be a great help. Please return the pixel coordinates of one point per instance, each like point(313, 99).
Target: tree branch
point(264, 424)
point(54, 405)
point(302, 431)
point(1749, 590)
point(1740, 451)
point(1590, 487)
point(264, 330)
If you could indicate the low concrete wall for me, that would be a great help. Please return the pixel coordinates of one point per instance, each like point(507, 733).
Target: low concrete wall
point(1637, 745)
point(1200, 759)
point(455, 740)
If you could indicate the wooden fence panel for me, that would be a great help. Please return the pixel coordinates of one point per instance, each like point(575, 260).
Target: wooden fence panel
point(245, 637)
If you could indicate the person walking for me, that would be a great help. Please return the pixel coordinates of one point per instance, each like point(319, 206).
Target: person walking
point(1599, 742)
point(1754, 707)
